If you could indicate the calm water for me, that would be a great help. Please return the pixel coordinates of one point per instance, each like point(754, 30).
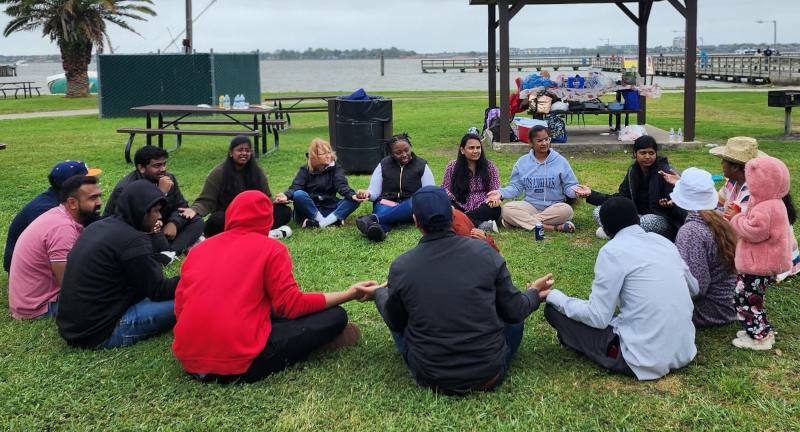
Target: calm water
point(348, 75)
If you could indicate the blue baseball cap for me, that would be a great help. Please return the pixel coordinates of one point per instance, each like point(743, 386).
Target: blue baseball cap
point(431, 206)
point(68, 168)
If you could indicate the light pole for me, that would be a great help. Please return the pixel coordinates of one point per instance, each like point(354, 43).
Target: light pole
point(774, 30)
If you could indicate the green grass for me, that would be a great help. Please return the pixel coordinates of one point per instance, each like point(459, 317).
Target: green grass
point(46, 103)
point(47, 385)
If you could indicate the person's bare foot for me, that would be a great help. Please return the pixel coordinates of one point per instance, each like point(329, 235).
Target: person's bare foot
point(347, 338)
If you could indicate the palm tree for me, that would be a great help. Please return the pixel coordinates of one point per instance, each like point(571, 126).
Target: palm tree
point(76, 26)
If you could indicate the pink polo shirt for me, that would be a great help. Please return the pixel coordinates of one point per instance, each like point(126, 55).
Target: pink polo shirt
point(31, 283)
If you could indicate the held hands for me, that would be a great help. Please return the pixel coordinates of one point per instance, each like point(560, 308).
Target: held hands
point(542, 285)
point(157, 227)
point(665, 202)
point(170, 230)
point(478, 234)
point(364, 290)
point(361, 195)
point(165, 184)
point(281, 198)
point(494, 199)
point(670, 176)
point(582, 191)
point(187, 213)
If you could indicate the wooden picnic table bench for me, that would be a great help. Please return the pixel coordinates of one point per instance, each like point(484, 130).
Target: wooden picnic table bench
point(256, 126)
point(287, 105)
point(27, 88)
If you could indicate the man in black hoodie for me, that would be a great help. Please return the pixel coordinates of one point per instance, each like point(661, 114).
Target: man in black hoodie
point(114, 293)
point(177, 233)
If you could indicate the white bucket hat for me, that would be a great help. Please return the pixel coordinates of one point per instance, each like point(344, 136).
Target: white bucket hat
point(695, 191)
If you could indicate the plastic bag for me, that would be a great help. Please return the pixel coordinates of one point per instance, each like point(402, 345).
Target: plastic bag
point(630, 133)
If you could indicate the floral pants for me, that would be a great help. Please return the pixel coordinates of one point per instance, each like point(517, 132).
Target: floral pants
point(749, 301)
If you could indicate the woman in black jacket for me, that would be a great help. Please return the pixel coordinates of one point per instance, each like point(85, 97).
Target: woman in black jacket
point(645, 187)
point(314, 189)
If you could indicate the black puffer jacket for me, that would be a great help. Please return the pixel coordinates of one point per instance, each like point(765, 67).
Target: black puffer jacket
point(657, 190)
point(322, 186)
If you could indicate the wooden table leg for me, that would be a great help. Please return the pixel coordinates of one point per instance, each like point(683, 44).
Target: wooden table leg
point(161, 126)
point(149, 125)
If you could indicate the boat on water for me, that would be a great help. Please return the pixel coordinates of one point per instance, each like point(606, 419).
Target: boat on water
point(58, 83)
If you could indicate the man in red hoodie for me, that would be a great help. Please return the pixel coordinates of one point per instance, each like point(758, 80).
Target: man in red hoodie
point(230, 286)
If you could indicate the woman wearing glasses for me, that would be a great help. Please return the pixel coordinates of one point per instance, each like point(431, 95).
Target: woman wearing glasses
point(546, 180)
point(314, 189)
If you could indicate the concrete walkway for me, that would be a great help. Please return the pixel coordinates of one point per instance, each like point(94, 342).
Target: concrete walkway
point(67, 113)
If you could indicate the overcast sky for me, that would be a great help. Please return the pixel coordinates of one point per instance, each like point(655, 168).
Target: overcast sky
point(423, 25)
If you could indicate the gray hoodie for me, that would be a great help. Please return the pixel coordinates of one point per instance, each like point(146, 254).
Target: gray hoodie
point(543, 184)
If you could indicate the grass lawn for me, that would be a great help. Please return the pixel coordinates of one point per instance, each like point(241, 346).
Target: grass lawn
point(46, 103)
point(47, 385)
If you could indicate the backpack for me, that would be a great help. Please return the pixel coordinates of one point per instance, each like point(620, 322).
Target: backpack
point(558, 129)
point(492, 122)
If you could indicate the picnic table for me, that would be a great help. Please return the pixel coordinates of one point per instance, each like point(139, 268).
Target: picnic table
point(253, 121)
point(285, 106)
point(27, 88)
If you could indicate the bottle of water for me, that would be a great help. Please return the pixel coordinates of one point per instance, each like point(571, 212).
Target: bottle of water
point(680, 135)
point(221, 103)
point(672, 135)
point(245, 104)
point(227, 103)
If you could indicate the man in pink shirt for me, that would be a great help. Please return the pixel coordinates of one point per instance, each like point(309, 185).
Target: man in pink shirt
point(40, 255)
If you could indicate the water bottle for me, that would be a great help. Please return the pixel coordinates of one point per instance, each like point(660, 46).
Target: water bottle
point(245, 104)
point(240, 98)
point(672, 135)
point(221, 103)
point(227, 104)
point(236, 102)
point(680, 135)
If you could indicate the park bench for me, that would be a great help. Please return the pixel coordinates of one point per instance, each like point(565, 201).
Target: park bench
point(179, 133)
point(26, 91)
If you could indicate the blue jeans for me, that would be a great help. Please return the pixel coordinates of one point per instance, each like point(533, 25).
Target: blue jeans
point(389, 216)
point(52, 311)
point(304, 207)
point(511, 332)
point(142, 321)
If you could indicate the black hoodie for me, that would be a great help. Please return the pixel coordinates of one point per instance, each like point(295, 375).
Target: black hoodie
point(110, 268)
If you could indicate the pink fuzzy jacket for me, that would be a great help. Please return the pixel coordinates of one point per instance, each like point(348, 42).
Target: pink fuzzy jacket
point(764, 246)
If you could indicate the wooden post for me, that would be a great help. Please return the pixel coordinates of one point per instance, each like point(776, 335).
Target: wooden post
point(644, 17)
point(382, 68)
point(187, 46)
point(690, 77)
point(505, 117)
point(492, 53)
point(787, 121)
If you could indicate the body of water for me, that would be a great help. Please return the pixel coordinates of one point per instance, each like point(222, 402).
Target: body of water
point(348, 75)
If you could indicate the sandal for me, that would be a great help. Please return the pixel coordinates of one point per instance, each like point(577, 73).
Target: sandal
point(566, 227)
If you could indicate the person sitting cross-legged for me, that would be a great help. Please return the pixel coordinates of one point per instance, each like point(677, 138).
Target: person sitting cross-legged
point(177, 233)
point(451, 306)
point(547, 181)
point(40, 254)
point(114, 292)
point(243, 322)
point(645, 276)
point(314, 189)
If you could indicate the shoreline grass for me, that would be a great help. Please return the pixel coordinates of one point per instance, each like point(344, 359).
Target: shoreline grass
point(47, 385)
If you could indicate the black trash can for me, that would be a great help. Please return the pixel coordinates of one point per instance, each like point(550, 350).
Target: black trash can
point(359, 130)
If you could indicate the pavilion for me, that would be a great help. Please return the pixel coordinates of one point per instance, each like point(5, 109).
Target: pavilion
point(500, 13)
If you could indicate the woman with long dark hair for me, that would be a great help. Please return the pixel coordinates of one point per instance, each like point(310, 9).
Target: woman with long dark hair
point(238, 173)
point(707, 243)
point(468, 180)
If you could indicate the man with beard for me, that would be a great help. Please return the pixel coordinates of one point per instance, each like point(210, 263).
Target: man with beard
point(176, 233)
point(114, 292)
point(40, 253)
point(43, 202)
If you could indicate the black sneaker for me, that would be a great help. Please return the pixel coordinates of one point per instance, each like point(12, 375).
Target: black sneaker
point(310, 223)
point(363, 223)
point(375, 232)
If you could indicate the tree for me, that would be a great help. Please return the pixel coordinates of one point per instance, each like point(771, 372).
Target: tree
point(76, 26)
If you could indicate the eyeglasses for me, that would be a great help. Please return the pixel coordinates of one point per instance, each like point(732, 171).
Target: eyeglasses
point(543, 140)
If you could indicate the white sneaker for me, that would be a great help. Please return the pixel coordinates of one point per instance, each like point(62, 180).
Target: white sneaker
point(170, 257)
point(601, 234)
point(741, 334)
point(755, 344)
point(488, 226)
point(281, 232)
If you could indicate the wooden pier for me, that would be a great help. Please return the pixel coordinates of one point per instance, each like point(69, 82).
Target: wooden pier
point(782, 70)
point(8, 71)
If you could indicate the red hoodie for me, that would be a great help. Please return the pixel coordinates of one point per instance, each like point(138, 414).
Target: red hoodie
point(229, 284)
